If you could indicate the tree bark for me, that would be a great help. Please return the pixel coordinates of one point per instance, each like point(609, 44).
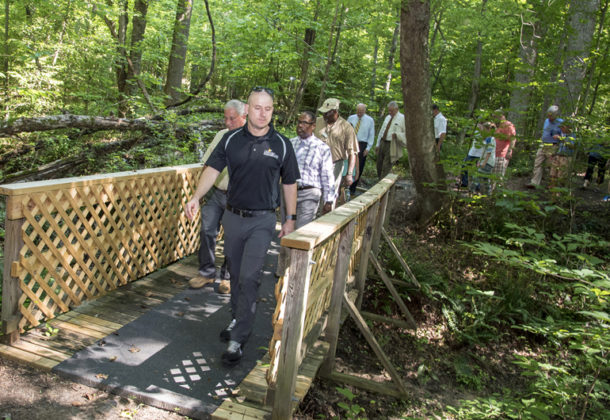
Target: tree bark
point(427, 173)
point(476, 79)
point(593, 65)
point(520, 93)
point(200, 86)
point(330, 54)
point(374, 72)
point(581, 21)
point(140, 9)
point(308, 42)
point(392, 53)
point(177, 57)
point(6, 48)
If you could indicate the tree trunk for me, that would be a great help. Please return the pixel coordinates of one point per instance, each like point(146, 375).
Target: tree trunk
point(6, 49)
point(427, 174)
point(374, 72)
point(520, 93)
point(121, 65)
point(201, 84)
point(64, 23)
point(140, 9)
point(476, 79)
point(177, 57)
point(593, 65)
point(308, 42)
point(392, 54)
point(330, 54)
point(581, 22)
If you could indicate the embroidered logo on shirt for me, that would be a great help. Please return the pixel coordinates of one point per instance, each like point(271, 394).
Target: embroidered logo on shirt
point(270, 153)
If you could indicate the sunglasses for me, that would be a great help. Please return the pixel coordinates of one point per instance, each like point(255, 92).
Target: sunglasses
point(263, 89)
point(305, 122)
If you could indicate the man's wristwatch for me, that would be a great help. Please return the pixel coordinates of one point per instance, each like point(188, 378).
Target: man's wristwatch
point(291, 217)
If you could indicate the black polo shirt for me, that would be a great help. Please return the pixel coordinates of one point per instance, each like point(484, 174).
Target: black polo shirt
point(255, 165)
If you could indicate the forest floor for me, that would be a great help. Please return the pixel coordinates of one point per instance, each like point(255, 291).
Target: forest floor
point(438, 372)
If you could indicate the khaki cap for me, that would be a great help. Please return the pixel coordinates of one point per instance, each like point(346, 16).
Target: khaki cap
point(330, 103)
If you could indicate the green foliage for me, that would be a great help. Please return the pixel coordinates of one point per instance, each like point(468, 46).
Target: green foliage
point(351, 409)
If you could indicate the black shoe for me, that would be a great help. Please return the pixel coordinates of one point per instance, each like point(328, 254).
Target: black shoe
point(225, 335)
point(232, 356)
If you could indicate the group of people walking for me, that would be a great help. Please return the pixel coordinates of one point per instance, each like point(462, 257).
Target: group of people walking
point(251, 170)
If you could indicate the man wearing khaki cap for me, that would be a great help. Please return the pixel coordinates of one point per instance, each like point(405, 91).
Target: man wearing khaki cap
point(340, 137)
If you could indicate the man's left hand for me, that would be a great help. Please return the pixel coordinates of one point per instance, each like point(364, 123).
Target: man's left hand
point(366, 152)
point(349, 180)
point(287, 228)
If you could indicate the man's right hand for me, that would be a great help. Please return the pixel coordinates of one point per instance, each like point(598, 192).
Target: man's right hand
point(191, 208)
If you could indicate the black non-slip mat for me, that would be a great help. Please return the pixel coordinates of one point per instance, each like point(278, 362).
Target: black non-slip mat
point(170, 357)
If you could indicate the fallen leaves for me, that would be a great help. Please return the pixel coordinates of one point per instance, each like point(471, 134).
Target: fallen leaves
point(134, 349)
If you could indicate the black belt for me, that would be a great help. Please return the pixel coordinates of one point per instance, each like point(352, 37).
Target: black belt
point(305, 187)
point(220, 191)
point(249, 213)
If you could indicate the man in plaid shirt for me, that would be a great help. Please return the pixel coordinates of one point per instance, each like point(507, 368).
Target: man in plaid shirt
point(317, 179)
point(316, 167)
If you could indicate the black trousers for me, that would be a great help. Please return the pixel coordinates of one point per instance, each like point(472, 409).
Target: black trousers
point(361, 161)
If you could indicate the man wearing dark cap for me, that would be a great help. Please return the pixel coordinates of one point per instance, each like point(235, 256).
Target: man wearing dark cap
point(257, 157)
point(340, 137)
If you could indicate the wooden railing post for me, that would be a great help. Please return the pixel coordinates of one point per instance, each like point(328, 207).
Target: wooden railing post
point(380, 222)
point(339, 280)
point(292, 332)
point(365, 249)
point(11, 292)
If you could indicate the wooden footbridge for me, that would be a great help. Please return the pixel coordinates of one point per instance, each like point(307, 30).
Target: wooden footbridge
point(85, 256)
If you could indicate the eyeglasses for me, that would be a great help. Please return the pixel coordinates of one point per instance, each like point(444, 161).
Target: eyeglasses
point(305, 122)
point(263, 89)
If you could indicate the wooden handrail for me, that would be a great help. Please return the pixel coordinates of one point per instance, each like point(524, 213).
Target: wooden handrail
point(328, 260)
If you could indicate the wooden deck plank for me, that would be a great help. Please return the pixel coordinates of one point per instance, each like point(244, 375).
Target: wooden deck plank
point(71, 339)
point(42, 351)
point(231, 409)
point(77, 319)
point(18, 355)
point(88, 332)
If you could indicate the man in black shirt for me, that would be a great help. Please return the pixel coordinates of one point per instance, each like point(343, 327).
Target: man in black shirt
point(257, 157)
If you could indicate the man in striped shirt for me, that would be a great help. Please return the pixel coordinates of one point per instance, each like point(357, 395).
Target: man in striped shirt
point(317, 179)
point(316, 167)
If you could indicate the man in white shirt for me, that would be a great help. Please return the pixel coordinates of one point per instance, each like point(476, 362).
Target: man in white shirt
point(212, 211)
point(391, 140)
point(440, 127)
point(364, 126)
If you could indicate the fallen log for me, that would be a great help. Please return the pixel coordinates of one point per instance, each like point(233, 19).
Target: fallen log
point(56, 122)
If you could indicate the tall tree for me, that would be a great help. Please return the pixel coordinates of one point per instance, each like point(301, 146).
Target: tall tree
point(392, 53)
point(427, 173)
point(329, 58)
point(475, 83)
point(308, 43)
point(520, 93)
point(177, 56)
point(581, 24)
point(6, 48)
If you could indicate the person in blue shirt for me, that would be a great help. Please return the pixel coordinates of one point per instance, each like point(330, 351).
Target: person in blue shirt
point(364, 126)
point(560, 162)
point(550, 143)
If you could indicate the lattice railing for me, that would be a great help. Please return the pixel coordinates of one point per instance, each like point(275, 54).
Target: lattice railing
point(322, 251)
point(75, 239)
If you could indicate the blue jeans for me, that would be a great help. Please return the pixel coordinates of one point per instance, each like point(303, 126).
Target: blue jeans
point(211, 214)
point(464, 177)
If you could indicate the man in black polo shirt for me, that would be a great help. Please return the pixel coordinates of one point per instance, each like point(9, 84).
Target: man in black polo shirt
point(257, 157)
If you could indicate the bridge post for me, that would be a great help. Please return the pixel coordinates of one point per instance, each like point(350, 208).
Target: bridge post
point(380, 221)
point(365, 249)
point(292, 332)
point(11, 292)
point(340, 279)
